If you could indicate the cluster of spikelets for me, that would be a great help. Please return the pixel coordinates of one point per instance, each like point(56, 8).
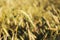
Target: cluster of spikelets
point(29, 20)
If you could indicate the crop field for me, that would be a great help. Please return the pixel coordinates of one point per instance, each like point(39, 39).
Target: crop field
point(29, 19)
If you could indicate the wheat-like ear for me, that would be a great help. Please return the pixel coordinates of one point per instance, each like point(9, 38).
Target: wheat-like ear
point(27, 16)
